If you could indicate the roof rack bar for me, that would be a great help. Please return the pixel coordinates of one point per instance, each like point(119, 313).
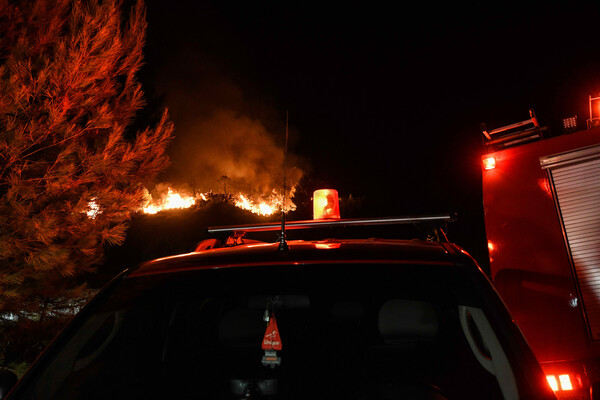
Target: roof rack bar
point(308, 224)
point(532, 120)
point(532, 133)
point(506, 128)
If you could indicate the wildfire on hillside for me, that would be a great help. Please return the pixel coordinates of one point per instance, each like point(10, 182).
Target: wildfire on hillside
point(170, 201)
point(261, 205)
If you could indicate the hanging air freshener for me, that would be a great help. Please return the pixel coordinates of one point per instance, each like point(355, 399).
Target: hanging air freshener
point(271, 343)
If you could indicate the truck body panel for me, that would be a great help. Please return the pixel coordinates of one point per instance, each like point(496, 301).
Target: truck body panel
point(538, 195)
point(529, 259)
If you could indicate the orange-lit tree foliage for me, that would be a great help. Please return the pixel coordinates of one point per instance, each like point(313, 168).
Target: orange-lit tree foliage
point(68, 98)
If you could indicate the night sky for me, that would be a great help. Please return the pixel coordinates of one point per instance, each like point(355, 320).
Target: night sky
point(385, 103)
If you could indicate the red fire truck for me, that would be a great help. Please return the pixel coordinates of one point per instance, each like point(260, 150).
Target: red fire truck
point(541, 198)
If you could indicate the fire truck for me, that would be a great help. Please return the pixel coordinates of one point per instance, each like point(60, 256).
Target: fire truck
point(541, 196)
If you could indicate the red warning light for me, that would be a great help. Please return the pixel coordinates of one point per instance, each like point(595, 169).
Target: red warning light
point(564, 382)
point(326, 204)
point(552, 382)
point(489, 162)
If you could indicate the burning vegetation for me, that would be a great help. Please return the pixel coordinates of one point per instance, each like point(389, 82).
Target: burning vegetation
point(171, 199)
point(229, 143)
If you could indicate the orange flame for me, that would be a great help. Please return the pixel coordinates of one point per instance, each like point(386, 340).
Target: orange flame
point(171, 201)
point(93, 209)
point(265, 206)
point(260, 208)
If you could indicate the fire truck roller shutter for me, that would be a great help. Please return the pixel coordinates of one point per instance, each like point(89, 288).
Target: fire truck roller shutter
point(575, 179)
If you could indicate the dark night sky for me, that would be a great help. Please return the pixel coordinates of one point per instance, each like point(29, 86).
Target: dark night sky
point(383, 103)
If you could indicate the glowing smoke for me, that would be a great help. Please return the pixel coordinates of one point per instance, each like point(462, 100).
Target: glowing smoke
point(223, 141)
point(235, 153)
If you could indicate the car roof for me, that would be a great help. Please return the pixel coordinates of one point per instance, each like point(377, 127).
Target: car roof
point(328, 251)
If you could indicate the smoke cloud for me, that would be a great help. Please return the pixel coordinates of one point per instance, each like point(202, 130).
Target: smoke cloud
point(231, 152)
point(225, 140)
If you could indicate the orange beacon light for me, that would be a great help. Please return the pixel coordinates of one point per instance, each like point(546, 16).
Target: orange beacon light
point(326, 204)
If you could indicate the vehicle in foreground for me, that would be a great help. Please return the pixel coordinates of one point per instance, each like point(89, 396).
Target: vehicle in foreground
point(296, 319)
point(540, 195)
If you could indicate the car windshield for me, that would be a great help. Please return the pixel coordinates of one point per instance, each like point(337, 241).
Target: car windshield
point(351, 331)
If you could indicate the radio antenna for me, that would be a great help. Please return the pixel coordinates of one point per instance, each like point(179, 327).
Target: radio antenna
point(283, 246)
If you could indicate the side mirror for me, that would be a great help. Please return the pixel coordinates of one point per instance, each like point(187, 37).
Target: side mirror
point(7, 381)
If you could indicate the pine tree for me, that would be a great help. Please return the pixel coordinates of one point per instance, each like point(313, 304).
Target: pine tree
point(71, 169)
